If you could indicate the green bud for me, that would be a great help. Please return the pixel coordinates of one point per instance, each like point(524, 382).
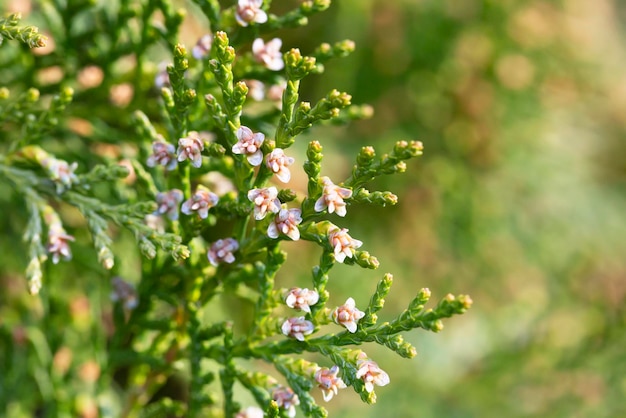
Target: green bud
point(286, 195)
point(314, 152)
point(366, 156)
point(298, 66)
point(32, 95)
point(339, 99)
point(147, 248)
point(215, 150)
point(364, 259)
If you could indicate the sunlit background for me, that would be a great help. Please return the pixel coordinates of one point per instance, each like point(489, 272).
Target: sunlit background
point(518, 201)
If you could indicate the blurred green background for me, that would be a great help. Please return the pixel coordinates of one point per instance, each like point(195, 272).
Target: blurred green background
point(518, 201)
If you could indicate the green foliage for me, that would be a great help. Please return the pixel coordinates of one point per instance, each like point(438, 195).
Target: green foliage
point(185, 166)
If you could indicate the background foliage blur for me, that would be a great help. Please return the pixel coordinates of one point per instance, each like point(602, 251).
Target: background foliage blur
point(519, 201)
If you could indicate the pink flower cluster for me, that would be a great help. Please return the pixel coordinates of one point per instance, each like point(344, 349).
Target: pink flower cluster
point(348, 315)
point(297, 328)
point(190, 148)
point(58, 243)
point(168, 203)
point(286, 222)
point(302, 299)
point(265, 200)
point(370, 373)
point(222, 251)
point(332, 198)
point(163, 154)
point(329, 382)
point(286, 398)
point(201, 201)
point(269, 53)
point(249, 144)
point(125, 292)
point(342, 243)
point(249, 11)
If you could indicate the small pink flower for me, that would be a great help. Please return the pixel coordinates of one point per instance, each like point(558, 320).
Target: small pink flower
point(371, 374)
point(275, 92)
point(125, 292)
point(332, 198)
point(250, 412)
point(58, 243)
point(202, 47)
point(265, 200)
point(269, 53)
point(249, 144)
point(168, 203)
point(249, 11)
point(297, 328)
point(222, 251)
point(60, 172)
point(329, 382)
point(201, 201)
point(278, 164)
point(256, 89)
point(286, 398)
point(190, 147)
point(342, 243)
point(348, 315)
point(302, 299)
point(286, 222)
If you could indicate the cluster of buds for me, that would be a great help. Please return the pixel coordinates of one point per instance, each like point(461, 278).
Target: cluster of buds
point(163, 154)
point(222, 250)
point(201, 201)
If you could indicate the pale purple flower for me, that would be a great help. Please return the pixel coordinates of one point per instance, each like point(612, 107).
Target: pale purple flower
point(371, 374)
point(201, 201)
point(269, 53)
point(278, 164)
point(162, 154)
point(297, 328)
point(58, 243)
point(60, 172)
point(190, 147)
point(286, 222)
point(250, 412)
point(329, 382)
point(348, 315)
point(125, 292)
point(202, 47)
point(332, 198)
point(222, 251)
point(249, 11)
point(168, 203)
point(286, 398)
point(265, 200)
point(249, 144)
point(302, 299)
point(342, 243)
point(256, 89)
point(162, 77)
